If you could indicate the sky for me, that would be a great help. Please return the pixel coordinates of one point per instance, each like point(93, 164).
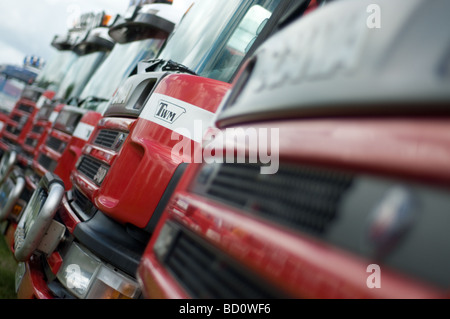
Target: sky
point(27, 27)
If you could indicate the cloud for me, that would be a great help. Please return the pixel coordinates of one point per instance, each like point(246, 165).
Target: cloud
point(9, 54)
point(28, 26)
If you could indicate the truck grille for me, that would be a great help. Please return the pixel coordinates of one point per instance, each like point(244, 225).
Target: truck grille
point(31, 142)
point(16, 118)
point(46, 162)
point(55, 144)
point(27, 156)
point(8, 141)
point(31, 94)
point(26, 108)
point(37, 129)
point(303, 198)
point(12, 129)
point(205, 272)
point(83, 206)
point(92, 169)
point(107, 138)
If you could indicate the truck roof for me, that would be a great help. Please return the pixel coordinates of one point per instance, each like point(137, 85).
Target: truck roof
point(24, 74)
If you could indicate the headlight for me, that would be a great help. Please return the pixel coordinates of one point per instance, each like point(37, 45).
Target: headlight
point(86, 276)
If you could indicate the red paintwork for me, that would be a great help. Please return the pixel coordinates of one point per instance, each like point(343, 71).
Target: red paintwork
point(3, 118)
point(408, 148)
point(44, 149)
point(46, 125)
point(33, 284)
point(9, 235)
point(78, 179)
point(72, 152)
point(67, 215)
point(67, 159)
point(55, 261)
point(413, 148)
point(20, 139)
point(131, 197)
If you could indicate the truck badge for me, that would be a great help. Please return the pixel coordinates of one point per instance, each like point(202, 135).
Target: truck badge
point(168, 112)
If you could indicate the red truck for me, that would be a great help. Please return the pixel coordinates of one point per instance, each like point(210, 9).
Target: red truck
point(74, 123)
point(19, 122)
point(103, 229)
point(13, 80)
point(138, 37)
point(57, 77)
point(349, 197)
point(91, 47)
point(21, 117)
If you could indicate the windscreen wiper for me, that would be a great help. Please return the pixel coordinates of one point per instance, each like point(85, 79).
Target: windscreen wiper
point(154, 65)
point(89, 100)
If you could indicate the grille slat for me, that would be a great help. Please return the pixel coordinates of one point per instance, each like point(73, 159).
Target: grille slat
point(83, 206)
point(55, 144)
point(30, 141)
point(206, 273)
point(106, 138)
point(46, 162)
point(304, 198)
point(26, 108)
point(89, 167)
point(37, 129)
point(12, 129)
point(16, 118)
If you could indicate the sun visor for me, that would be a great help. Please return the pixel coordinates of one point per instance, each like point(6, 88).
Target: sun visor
point(150, 21)
point(96, 40)
point(62, 42)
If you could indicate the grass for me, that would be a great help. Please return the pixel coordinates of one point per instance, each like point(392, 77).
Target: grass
point(7, 271)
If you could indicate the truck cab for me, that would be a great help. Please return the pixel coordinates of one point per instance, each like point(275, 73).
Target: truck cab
point(107, 216)
point(77, 120)
point(13, 80)
point(92, 48)
point(73, 119)
point(341, 188)
point(46, 84)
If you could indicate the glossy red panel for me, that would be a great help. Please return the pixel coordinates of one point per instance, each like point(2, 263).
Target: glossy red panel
point(139, 176)
point(411, 148)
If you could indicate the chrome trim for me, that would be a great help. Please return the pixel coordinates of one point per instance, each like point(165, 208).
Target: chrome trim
point(34, 224)
point(19, 184)
point(7, 162)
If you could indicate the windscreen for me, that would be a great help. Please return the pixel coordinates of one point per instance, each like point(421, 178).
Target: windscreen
point(78, 75)
point(214, 36)
point(118, 65)
point(10, 92)
point(54, 71)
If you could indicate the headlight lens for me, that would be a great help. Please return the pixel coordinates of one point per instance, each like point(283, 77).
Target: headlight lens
point(86, 276)
point(77, 271)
